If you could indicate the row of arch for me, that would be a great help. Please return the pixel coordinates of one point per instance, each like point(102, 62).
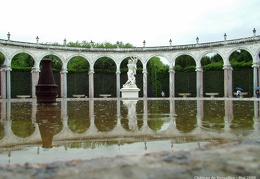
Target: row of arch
point(144, 56)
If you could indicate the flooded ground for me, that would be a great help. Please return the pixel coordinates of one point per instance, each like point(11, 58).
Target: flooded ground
point(89, 129)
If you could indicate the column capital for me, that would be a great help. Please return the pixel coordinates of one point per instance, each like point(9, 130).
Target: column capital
point(145, 71)
point(91, 71)
point(227, 67)
point(35, 70)
point(198, 69)
point(118, 71)
point(171, 70)
point(63, 70)
point(256, 64)
point(6, 68)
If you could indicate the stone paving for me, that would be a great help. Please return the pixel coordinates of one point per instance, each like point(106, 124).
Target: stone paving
point(236, 160)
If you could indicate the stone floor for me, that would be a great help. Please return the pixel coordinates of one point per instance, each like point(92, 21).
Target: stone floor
point(235, 160)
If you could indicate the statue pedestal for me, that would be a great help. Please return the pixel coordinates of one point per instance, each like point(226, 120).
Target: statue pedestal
point(128, 92)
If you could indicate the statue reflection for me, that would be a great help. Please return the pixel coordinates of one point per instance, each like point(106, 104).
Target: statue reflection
point(132, 120)
point(47, 118)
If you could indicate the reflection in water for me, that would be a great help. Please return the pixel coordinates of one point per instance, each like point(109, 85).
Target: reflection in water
point(131, 115)
point(130, 125)
point(47, 118)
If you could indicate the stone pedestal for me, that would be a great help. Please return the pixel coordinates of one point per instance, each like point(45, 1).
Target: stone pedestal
point(130, 92)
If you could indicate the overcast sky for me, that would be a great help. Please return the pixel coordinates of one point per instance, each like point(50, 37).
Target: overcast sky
point(129, 21)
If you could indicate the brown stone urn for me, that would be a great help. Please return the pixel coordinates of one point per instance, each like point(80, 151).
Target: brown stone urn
point(46, 89)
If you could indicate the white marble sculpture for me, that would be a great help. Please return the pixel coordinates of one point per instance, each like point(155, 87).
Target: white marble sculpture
point(130, 89)
point(131, 73)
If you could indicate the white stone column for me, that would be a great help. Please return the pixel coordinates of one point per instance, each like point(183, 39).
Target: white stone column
point(256, 76)
point(118, 83)
point(91, 83)
point(3, 83)
point(228, 81)
point(63, 81)
point(199, 81)
point(8, 82)
point(172, 83)
point(144, 82)
point(35, 77)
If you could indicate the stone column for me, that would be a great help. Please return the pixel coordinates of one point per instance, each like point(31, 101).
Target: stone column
point(118, 83)
point(35, 77)
point(228, 81)
point(63, 81)
point(172, 82)
point(199, 82)
point(256, 76)
point(91, 83)
point(3, 83)
point(145, 82)
point(8, 82)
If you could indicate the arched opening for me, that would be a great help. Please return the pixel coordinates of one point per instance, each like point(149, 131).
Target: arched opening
point(2, 60)
point(56, 68)
point(77, 77)
point(21, 66)
point(213, 75)
point(241, 62)
point(185, 75)
point(158, 77)
point(22, 125)
point(138, 76)
point(105, 115)
point(105, 77)
point(78, 116)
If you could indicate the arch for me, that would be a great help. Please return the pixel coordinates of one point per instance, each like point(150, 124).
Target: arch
point(213, 73)
point(181, 54)
point(53, 54)
point(239, 48)
point(124, 57)
point(157, 76)
point(77, 80)
point(21, 65)
point(105, 76)
point(210, 51)
point(22, 51)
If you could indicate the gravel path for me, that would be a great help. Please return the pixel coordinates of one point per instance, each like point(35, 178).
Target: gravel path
point(226, 161)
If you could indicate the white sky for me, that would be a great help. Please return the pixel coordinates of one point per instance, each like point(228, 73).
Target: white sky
point(132, 21)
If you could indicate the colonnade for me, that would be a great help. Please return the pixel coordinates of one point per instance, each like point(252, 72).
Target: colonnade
point(197, 51)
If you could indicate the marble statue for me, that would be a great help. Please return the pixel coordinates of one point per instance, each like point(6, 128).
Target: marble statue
point(131, 73)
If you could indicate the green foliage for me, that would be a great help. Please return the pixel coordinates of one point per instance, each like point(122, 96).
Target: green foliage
point(78, 64)
point(105, 64)
point(213, 66)
point(184, 61)
point(242, 64)
point(2, 59)
point(22, 62)
point(189, 68)
point(56, 62)
point(240, 56)
point(156, 68)
point(178, 68)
